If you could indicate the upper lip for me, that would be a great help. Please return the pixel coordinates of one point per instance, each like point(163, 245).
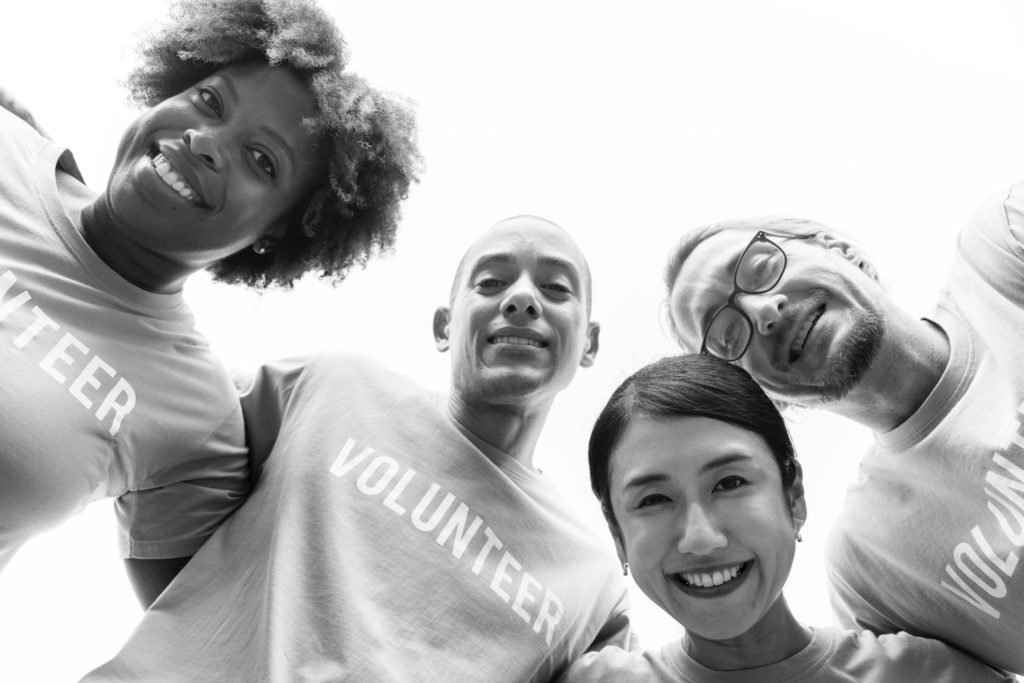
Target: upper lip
point(523, 332)
point(186, 169)
point(708, 568)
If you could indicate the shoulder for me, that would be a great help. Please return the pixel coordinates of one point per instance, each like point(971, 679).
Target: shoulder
point(346, 376)
point(354, 365)
point(998, 222)
point(18, 137)
point(320, 365)
point(887, 656)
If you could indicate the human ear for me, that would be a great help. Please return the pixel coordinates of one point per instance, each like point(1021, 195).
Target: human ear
point(270, 239)
point(620, 550)
point(442, 316)
point(593, 342)
point(795, 496)
point(848, 250)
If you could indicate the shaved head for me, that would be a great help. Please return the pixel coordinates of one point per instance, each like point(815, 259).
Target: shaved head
point(515, 222)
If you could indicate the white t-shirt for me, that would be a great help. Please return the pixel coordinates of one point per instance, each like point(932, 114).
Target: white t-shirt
point(107, 389)
point(930, 535)
point(832, 656)
point(381, 543)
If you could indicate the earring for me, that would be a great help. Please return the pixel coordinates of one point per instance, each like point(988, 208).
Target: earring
point(625, 568)
point(260, 247)
point(799, 538)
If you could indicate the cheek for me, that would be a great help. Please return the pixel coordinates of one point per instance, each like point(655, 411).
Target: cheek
point(772, 533)
point(646, 542)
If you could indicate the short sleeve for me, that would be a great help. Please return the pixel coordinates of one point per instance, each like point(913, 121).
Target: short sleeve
point(610, 665)
point(901, 656)
point(265, 393)
point(851, 610)
point(617, 630)
point(176, 519)
point(992, 241)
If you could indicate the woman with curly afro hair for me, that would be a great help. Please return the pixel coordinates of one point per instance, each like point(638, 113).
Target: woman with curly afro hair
point(257, 157)
point(364, 141)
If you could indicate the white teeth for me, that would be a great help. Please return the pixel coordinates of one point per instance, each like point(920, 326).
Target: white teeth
point(716, 578)
point(518, 341)
point(174, 181)
point(801, 336)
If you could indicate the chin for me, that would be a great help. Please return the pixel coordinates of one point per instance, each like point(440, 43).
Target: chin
point(723, 627)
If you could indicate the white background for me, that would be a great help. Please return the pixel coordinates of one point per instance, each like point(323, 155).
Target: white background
point(626, 123)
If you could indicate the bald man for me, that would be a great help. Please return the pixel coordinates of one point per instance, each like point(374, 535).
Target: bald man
point(397, 536)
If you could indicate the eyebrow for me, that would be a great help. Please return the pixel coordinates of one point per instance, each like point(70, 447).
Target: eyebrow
point(724, 460)
point(644, 480)
point(658, 478)
point(545, 261)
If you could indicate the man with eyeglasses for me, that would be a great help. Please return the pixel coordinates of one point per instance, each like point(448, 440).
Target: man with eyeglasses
point(929, 537)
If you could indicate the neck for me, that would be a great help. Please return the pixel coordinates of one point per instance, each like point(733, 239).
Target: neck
point(907, 368)
point(778, 636)
point(142, 267)
point(511, 428)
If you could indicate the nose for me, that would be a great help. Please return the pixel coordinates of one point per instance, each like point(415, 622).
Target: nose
point(700, 534)
point(764, 310)
point(205, 144)
point(521, 300)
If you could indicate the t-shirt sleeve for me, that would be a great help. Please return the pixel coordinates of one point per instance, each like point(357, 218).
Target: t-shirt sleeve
point(850, 608)
point(992, 241)
point(616, 631)
point(610, 665)
point(176, 519)
point(901, 656)
point(265, 393)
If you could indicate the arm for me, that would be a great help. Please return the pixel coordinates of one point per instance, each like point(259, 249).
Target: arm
point(149, 578)
point(219, 483)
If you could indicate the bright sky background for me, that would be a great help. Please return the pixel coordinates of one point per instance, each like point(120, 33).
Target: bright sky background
point(627, 123)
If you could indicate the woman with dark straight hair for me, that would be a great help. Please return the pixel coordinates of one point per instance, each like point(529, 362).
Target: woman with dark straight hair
point(704, 497)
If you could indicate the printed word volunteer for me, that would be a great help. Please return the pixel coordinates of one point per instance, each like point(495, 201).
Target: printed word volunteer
point(92, 376)
point(977, 577)
point(379, 476)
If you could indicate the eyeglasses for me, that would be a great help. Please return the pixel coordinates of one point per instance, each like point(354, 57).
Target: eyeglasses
point(759, 270)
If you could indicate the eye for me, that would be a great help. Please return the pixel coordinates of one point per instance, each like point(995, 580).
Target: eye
point(264, 161)
point(652, 499)
point(558, 287)
point(730, 483)
point(725, 336)
point(760, 270)
point(490, 283)
point(210, 98)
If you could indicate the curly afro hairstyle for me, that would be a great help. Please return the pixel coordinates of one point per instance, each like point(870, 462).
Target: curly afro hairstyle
point(366, 139)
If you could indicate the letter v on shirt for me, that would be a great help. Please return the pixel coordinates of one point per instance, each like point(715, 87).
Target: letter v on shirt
point(381, 476)
point(95, 384)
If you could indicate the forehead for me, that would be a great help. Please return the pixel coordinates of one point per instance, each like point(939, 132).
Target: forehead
point(705, 281)
point(682, 448)
point(272, 95)
point(527, 242)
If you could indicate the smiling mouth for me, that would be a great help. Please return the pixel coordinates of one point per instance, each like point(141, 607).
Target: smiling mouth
point(713, 579)
point(175, 180)
point(796, 349)
point(515, 340)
